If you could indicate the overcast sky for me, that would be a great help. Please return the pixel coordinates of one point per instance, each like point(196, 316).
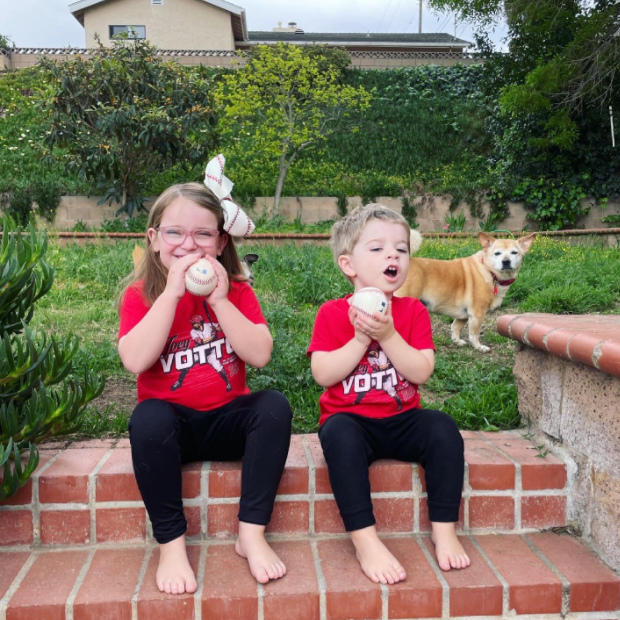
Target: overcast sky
point(49, 23)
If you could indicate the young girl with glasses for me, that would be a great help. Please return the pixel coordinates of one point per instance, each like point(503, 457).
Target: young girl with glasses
point(190, 353)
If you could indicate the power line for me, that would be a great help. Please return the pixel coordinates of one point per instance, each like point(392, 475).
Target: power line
point(384, 14)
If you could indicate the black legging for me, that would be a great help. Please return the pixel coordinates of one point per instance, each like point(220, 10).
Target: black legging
point(163, 436)
point(352, 442)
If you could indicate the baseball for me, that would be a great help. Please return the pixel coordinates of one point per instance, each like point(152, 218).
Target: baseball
point(200, 278)
point(370, 300)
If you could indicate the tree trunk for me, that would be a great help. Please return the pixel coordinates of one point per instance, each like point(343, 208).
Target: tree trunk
point(284, 165)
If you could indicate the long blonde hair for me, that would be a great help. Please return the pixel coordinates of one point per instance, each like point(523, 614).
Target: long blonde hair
point(151, 270)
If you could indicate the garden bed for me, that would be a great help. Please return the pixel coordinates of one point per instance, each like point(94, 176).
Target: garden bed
point(477, 389)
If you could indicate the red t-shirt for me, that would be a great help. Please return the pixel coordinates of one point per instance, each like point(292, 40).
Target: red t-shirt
point(374, 388)
point(197, 367)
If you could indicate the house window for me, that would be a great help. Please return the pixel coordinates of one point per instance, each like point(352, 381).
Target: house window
point(133, 32)
point(157, 2)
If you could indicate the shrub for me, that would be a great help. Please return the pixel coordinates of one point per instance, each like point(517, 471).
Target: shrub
point(40, 397)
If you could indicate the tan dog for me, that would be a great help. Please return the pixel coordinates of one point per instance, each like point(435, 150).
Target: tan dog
point(466, 288)
point(246, 262)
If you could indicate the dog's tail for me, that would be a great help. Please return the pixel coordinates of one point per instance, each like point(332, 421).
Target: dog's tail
point(415, 240)
point(137, 255)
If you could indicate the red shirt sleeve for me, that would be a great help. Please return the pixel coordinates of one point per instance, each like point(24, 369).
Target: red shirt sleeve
point(322, 338)
point(133, 309)
point(421, 333)
point(248, 303)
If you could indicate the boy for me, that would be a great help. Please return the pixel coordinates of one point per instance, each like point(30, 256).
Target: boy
point(371, 247)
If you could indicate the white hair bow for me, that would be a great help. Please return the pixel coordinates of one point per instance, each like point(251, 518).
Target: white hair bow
point(236, 222)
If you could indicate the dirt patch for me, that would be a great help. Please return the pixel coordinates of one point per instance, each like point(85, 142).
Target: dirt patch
point(120, 393)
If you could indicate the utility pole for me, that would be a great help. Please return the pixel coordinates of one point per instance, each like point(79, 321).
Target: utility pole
point(613, 133)
point(420, 23)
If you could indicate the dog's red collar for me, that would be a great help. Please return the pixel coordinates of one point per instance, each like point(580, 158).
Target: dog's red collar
point(497, 281)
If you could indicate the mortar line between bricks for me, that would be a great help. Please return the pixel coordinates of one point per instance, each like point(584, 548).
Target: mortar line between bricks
point(260, 601)
point(384, 601)
point(416, 488)
point(78, 584)
point(518, 490)
point(311, 483)
point(136, 593)
point(204, 499)
point(505, 586)
point(36, 504)
point(4, 601)
point(200, 579)
point(556, 571)
point(92, 495)
point(320, 578)
point(445, 588)
point(467, 491)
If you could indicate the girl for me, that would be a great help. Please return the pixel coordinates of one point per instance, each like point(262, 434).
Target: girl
point(193, 402)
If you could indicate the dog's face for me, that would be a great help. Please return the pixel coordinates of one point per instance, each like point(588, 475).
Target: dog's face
point(504, 254)
point(246, 262)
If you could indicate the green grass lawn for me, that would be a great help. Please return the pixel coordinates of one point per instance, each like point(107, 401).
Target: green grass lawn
point(477, 389)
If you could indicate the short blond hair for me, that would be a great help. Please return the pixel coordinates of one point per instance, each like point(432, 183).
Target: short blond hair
point(347, 231)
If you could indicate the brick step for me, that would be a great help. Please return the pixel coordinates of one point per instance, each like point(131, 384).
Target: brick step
point(544, 575)
point(85, 492)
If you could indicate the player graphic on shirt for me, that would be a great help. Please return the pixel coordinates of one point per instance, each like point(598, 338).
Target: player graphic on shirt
point(203, 333)
point(379, 361)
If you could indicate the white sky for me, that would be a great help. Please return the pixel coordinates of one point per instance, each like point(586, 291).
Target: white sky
point(49, 23)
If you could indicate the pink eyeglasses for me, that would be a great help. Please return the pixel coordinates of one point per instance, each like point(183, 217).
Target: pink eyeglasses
point(203, 237)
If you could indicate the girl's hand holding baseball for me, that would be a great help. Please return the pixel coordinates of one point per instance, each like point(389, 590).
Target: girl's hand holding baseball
point(175, 285)
point(220, 292)
point(379, 327)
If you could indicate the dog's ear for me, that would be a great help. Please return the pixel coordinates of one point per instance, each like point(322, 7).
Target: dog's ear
point(250, 259)
point(526, 242)
point(485, 240)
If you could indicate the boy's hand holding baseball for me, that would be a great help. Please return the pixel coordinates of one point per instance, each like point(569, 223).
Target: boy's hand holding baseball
point(359, 335)
point(379, 327)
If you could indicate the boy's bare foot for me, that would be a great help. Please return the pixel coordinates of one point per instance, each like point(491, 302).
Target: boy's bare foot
point(263, 561)
point(448, 549)
point(174, 574)
point(378, 564)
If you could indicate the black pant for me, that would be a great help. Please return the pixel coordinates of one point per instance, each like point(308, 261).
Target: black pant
point(163, 436)
point(352, 442)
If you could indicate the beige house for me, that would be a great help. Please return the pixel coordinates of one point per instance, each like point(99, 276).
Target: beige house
point(168, 24)
point(219, 25)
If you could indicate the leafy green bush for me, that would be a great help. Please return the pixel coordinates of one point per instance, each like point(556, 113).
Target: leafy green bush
point(40, 397)
point(123, 114)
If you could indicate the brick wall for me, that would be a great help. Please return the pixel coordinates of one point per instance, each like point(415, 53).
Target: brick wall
point(567, 371)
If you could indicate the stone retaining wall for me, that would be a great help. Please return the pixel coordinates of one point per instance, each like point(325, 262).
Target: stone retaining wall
point(432, 211)
point(567, 371)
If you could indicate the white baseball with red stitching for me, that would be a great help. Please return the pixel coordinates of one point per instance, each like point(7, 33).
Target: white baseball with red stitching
point(369, 301)
point(200, 278)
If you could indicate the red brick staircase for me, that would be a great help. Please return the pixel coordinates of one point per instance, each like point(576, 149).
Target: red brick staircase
point(76, 543)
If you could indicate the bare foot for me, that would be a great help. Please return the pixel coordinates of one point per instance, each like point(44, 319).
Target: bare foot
point(378, 564)
point(174, 574)
point(448, 549)
point(263, 561)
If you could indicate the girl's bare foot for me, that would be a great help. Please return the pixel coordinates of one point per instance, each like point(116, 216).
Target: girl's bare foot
point(378, 564)
point(448, 549)
point(263, 561)
point(174, 574)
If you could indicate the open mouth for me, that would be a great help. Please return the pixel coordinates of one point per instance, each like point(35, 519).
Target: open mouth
point(391, 273)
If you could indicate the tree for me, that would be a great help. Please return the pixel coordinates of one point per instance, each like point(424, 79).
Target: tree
point(40, 396)
point(5, 43)
point(124, 114)
point(555, 86)
point(289, 99)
